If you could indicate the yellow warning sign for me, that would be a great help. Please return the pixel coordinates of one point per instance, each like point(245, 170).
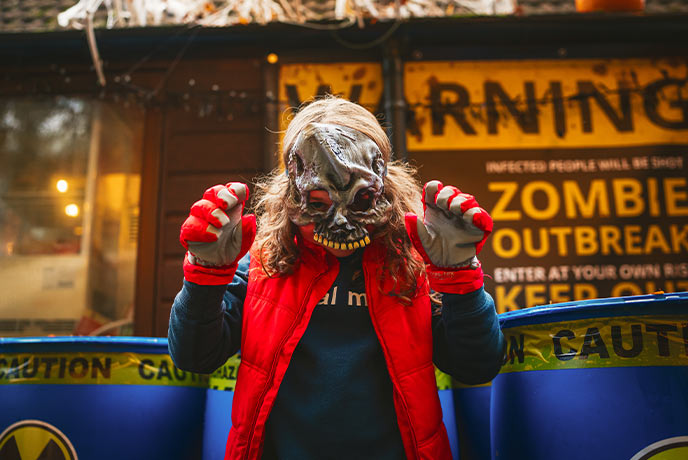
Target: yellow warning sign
point(360, 82)
point(35, 440)
point(546, 103)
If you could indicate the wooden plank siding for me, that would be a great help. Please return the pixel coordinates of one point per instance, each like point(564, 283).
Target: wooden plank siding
point(146, 256)
point(196, 153)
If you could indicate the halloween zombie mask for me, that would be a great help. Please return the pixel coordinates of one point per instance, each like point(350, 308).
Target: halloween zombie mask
point(349, 166)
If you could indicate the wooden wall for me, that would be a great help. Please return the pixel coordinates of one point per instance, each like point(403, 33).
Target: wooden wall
point(186, 154)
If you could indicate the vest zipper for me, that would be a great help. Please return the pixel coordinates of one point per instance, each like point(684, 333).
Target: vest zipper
point(386, 352)
point(273, 366)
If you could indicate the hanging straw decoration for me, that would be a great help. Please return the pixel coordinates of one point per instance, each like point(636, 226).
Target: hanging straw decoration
point(222, 13)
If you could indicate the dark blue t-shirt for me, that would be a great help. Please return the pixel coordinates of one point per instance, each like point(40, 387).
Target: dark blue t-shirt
point(336, 397)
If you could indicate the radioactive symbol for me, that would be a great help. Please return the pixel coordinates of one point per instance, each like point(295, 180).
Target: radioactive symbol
point(666, 449)
point(35, 440)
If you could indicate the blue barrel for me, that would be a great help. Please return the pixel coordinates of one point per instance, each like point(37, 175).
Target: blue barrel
point(472, 415)
point(445, 390)
point(218, 409)
point(99, 398)
point(221, 393)
point(605, 378)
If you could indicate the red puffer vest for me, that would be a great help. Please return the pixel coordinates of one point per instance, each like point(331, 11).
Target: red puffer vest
point(276, 314)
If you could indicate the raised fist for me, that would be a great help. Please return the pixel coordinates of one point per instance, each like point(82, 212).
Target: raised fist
point(453, 229)
point(216, 234)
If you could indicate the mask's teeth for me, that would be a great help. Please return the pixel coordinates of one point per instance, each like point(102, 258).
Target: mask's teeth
point(363, 242)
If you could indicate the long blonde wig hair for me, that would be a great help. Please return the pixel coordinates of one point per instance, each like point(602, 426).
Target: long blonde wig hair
point(276, 198)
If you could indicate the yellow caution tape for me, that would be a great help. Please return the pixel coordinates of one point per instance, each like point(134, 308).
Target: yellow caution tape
point(224, 378)
point(95, 369)
point(446, 382)
point(129, 369)
point(598, 342)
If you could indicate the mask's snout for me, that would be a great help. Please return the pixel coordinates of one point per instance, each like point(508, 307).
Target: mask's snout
point(340, 224)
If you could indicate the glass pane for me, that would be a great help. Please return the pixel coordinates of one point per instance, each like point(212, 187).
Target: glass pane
point(69, 181)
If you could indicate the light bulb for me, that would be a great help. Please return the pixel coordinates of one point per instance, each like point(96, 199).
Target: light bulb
point(72, 210)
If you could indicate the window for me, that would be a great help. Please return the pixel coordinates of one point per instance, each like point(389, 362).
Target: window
point(69, 203)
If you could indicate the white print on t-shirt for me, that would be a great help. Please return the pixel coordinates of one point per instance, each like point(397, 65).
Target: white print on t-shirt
point(324, 300)
point(356, 299)
point(359, 298)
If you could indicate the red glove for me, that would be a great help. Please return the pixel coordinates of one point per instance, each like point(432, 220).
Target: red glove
point(453, 231)
point(216, 235)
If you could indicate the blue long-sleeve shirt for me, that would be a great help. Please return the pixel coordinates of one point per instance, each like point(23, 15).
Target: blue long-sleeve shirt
point(337, 383)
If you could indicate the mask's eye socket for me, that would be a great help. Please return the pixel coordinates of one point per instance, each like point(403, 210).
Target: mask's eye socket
point(318, 206)
point(319, 200)
point(362, 202)
point(298, 161)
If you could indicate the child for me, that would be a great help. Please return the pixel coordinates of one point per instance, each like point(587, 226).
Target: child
point(331, 309)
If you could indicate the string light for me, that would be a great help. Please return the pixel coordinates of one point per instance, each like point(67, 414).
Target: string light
point(72, 210)
point(226, 105)
point(62, 186)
